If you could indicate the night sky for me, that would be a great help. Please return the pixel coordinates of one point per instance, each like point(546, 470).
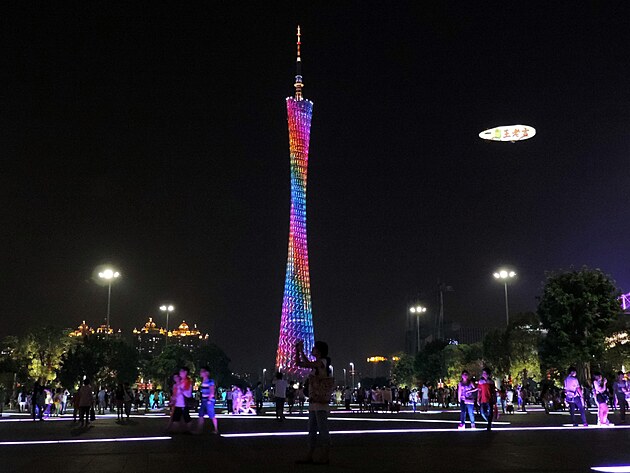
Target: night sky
point(155, 139)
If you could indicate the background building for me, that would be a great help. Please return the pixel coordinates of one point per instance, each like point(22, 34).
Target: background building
point(186, 337)
point(150, 339)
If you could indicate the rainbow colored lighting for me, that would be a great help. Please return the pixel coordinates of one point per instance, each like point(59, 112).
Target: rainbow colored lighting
point(297, 315)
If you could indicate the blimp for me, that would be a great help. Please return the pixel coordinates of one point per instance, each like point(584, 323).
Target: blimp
point(508, 133)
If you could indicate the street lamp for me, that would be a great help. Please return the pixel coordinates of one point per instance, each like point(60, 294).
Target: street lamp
point(418, 310)
point(264, 377)
point(109, 275)
point(505, 275)
point(345, 382)
point(168, 309)
point(352, 374)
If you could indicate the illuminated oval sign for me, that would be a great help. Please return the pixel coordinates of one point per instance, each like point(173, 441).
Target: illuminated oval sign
point(508, 133)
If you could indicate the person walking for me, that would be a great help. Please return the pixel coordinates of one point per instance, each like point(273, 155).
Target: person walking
point(465, 394)
point(320, 388)
point(487, 396)
point(86, 399)
point(621, 389)
point(601, 397)
point(206, 407)
point(573, 393)
point(280, 394)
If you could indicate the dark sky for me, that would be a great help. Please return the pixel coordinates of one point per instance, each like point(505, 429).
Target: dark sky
point(156, 139)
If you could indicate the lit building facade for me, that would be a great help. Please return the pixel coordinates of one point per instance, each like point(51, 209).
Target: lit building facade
point(150, 339)
point(82, 330)
point(297, 315)
point(186, 337)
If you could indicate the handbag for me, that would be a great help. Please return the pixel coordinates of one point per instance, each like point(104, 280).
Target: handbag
point(602, 398)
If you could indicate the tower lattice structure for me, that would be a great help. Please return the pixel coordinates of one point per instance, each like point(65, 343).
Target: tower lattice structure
point(297, 315)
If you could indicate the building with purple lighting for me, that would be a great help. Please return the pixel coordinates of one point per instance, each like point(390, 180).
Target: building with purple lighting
point(297, 315)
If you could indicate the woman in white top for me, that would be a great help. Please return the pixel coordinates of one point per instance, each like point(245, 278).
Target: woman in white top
point(601, 396)
point(317, 408)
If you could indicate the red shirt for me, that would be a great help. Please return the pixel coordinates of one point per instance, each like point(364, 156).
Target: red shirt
point(486, 391)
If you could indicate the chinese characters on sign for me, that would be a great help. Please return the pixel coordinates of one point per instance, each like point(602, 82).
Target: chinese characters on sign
point(508, 133)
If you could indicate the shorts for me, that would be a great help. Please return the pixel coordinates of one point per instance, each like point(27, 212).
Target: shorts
point(180, 412)
point(206, 407)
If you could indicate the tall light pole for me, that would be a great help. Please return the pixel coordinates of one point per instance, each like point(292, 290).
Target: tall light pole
point(418, 310)
point(505, 275)
point(109, 275)
point(345, 382)
point(168, 309)
point(264, 377)
point(352, 374)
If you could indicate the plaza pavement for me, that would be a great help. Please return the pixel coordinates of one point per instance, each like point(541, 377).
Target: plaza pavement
point(404, 442)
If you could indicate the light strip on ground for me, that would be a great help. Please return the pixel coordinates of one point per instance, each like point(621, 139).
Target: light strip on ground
point(48, 442)
point(612, 469)
point(426, 421)
point(407, 431)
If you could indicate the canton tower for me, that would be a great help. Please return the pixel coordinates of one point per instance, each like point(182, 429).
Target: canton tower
point(297, 314)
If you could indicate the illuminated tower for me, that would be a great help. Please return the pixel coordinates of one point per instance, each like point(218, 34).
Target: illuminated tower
point(297, 315)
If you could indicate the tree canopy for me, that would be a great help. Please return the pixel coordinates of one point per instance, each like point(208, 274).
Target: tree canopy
point(577, 308)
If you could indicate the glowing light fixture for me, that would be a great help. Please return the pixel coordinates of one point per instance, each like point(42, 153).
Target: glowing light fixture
point(109, 275)
point(505, 275)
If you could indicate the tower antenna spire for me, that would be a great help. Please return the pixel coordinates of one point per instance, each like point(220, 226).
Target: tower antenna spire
point(298, 65)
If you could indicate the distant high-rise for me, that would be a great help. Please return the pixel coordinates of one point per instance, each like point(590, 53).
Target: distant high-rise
point(297, 314)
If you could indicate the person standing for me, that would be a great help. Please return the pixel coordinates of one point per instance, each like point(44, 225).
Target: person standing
point(101, 400)
point(465, 394)
point(127, 399)
point(206, 407)
point(620, 388)
point(320, 389)
point(425, 398)
point(280, 394)
point(573, 393)
point(228, 400)
point(347, 397)
point(413, 399)
point(601, 397)
point(487, 396)
point(86, 399)
point(120, 400)
point(301, 398)
point(258, 398)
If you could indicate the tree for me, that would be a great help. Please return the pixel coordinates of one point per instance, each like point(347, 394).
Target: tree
point(403, 373)
point(168, 362)
point(576, 308)
point(514, 352)
point(429, 363)
point(104, 361)
point(42, 350)
point(211, 356)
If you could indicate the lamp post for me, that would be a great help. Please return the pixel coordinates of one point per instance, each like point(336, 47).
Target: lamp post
point(418, 310)
point(264, 377)
point(352, 374)
point(168, 309)
point(345, 382)
point(109, 275)
point(505, 275)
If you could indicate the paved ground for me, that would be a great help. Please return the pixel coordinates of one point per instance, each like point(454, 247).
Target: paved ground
point(405, 442)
